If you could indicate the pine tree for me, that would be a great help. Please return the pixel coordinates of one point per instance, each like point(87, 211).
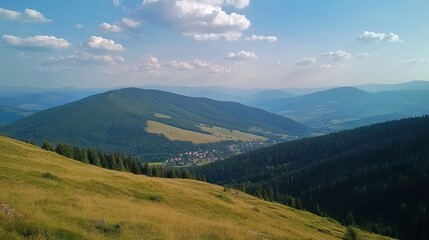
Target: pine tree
point(47, 146)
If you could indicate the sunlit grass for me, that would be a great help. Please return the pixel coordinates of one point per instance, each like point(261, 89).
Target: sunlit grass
point(58, 198)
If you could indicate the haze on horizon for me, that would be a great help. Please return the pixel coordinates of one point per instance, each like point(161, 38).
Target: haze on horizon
point(230, 43)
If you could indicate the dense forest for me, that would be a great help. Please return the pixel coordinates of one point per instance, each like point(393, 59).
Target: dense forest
point(116, 161)
point(376, 177)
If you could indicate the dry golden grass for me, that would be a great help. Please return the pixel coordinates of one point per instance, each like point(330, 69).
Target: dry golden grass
point(233, 135)
point(59, 198)
point(214, 134)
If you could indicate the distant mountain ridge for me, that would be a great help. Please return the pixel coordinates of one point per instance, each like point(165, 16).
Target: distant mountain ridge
point(347, 107)
point(118, 120)
point(412, 85)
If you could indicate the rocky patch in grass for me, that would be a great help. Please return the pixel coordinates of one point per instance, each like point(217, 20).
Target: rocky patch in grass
point(7, 210)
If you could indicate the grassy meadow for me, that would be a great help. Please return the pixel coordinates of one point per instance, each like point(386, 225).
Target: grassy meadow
point(213, 134)
point(46, 196)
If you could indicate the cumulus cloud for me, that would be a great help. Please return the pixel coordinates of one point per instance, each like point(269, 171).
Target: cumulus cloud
point(262, 38)
point(241, 55)
point(363, 55)
point(119, 26)
point(130, 23)
point(305, 61)
point(180, 65)
point(38, 42)
point(202, 20)
point(416, 61)
point(28, 15)
point(101, 44)
point(110, 27)
point(81, 59)
point(152, 65)
point(367, 36)
point(338, 55)
point(240, 4)
point(199, 63)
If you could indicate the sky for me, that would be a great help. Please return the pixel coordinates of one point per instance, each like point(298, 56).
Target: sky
point(229, 43)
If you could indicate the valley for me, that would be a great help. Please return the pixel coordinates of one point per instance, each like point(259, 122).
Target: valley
point(214, 120)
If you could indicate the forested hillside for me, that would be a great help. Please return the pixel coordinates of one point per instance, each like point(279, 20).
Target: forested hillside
point(120, 120)
point(375, 176)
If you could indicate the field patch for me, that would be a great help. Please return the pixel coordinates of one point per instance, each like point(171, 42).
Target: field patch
point(214, 134)
point(232, 135)
point(174, 133)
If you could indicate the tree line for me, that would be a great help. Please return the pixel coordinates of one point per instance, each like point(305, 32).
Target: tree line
point(117, 161)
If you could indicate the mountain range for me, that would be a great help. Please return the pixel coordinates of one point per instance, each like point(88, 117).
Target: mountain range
point(147, 122)
point(349, 107)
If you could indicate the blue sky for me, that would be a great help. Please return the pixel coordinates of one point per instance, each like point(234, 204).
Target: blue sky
point(231, 43)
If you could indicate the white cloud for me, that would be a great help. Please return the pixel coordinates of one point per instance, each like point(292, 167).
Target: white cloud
point(79, 26)
point(325, 66)
point(367, 36)
point(202, 20)
point(240, 4)
point(241, 55)
point(110, 27)
point(119, 26)
point(262, 38)
point(338, 55)
point(102, 44)
point(117, 3)
point(363, 55)
point(180, 65)
point(37, 42)
point(416, 61)
point(130, 23)
point(81, 59)
point(152, 65)
point(391, 37)
point(305, 61)
point(199, 63)
point(28, 15)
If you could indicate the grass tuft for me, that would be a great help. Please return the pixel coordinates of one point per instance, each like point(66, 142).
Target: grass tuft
point(49, 175)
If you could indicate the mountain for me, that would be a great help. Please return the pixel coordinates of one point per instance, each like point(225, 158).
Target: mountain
point(47, 196)
point(151, 122)
point(11, 114)
point(412, 85)
point(375, 176)
point(267, 95)
point(29, 101)
point(346, 107)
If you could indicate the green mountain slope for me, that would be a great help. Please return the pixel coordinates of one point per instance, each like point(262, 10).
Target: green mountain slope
point(377, 174)
point(117, 121)
point(346, 107)
point(46, 196)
